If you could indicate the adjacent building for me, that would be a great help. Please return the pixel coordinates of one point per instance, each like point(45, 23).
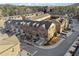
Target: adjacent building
point(9, 45)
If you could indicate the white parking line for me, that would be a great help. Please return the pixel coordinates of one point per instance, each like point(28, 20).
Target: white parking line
point(68, 34)
point(34, 53)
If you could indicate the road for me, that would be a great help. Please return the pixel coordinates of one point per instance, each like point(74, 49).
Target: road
point(59, 50)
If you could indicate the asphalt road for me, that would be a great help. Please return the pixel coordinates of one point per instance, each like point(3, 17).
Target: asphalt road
point(61, 49)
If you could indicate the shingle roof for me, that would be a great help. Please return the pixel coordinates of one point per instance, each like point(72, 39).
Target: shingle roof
point(36, 24)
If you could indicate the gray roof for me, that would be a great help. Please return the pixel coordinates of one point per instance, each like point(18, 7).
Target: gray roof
point(35, 24)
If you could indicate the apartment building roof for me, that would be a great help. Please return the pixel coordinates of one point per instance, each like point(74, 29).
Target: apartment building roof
point(36, 24)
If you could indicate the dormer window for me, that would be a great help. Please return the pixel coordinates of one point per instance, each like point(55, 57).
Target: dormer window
point(9, 21)
point(34, 24)
point(28, 23)
point(16, 23)
point(37, 25)
point(43, 26)
point(23, 23)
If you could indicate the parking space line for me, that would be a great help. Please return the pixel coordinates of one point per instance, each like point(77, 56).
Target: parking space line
point(34, 53)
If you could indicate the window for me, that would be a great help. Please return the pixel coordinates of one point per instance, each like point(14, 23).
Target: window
point(43, 26)
point(36, 14)
point(28, 23)
point(8, 21)
point(37, 25)
point(12, 49)
point(34, 24)
point(37, 35)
